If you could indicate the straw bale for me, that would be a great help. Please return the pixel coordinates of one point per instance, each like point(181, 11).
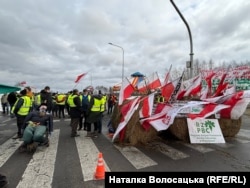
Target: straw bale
point(135, 134)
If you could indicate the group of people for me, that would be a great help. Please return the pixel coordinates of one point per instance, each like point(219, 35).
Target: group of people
point(87, 106)
point(32, 121)
point(34, 113)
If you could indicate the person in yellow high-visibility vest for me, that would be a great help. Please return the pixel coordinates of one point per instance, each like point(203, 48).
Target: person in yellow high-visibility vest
point(60, 102)
point(21, 109)
point(75, 111)
point(94, 113)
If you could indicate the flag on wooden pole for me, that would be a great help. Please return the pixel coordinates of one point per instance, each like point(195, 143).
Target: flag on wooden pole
point(79, 77)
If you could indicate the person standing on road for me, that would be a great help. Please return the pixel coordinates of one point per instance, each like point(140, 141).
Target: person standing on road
point(85, 98)
point(5, 104)
point(75, 111)
point(12, 98)
point(46, 98)
point(94, 114)
point(21, 109)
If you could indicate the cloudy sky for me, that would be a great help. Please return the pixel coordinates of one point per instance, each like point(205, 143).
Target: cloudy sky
point(50, 42)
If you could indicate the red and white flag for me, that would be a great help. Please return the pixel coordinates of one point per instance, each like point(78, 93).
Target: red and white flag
point(238, 104)
point(167, 77)
point(208, 80)
point(195, 86)
point(168, 89)
point(127, 110)
point(221, 87)
point(79, 77)
point(152, 82)
point(208, 110)
point(147, 106)
point(126, 90)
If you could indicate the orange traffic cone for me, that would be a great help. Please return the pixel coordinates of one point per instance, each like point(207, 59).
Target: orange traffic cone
point(100, 169)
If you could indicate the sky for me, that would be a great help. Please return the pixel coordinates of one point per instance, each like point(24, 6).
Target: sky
point(51, 42)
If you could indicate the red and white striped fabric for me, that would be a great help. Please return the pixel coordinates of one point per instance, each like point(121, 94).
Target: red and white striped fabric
point(152, 82)
point(238, 104)
point(195, 87)
point(208, 110)
point(127, 111)
point(147, 106)
point(126, 90)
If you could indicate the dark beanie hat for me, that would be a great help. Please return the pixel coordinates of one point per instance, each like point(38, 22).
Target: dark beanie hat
point(23, 92)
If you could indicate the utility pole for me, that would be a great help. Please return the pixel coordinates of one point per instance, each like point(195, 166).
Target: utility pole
point(190, 63)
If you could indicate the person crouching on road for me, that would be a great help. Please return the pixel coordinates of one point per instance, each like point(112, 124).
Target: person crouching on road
point(75, 111)
point(35, 125)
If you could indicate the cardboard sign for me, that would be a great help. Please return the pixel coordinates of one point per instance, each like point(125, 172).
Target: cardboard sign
point(205, 131)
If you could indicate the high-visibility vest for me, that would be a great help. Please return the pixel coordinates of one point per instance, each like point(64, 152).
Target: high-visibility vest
point(71, 100)
point(25, 108)
point(97, 105)
point(38, 99)
point(61, 97)
point(104, 100)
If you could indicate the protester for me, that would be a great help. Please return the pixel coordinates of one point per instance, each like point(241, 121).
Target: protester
point(60, 102)
point(5, 104)
point(75, 111)
point(94, 114)
point(12, 98)
point(46, 98)
point(34, 127)
point(85, 104)
point(21, 109)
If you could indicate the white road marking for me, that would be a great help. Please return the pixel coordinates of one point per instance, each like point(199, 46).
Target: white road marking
point(88, 154)
point(169, 151)
point(198, 147)
point(8, 148)
point(136, 157)
point(40, 170)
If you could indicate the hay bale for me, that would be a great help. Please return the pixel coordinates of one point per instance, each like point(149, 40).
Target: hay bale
point(230, 127)
point(135, 134)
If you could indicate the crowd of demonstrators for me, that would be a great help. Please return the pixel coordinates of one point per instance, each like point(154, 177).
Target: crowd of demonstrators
point(34, 127)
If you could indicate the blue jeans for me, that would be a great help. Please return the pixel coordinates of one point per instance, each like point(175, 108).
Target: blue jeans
point(34, 134)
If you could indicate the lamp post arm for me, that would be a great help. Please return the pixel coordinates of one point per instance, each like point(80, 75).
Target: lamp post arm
point(190, 37)
point(122, 58)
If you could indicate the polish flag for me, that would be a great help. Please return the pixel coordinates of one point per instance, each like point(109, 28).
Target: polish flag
point(152, 82)
point(238, 104)
point(79, 77)
point(221, 87)
point(167, 76)
point(147, 106)
point(208, 110)
point(208, 80)
point(127, 110)
point(168, 89)
point(195, 87)
point(126, 90)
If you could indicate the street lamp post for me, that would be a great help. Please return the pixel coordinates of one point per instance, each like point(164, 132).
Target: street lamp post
point(122, 58)
point(190, 38)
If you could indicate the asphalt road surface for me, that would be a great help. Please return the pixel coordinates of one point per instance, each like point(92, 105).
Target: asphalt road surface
point(72, 162)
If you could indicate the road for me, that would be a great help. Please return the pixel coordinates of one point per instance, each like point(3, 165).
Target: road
point(72, 162)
